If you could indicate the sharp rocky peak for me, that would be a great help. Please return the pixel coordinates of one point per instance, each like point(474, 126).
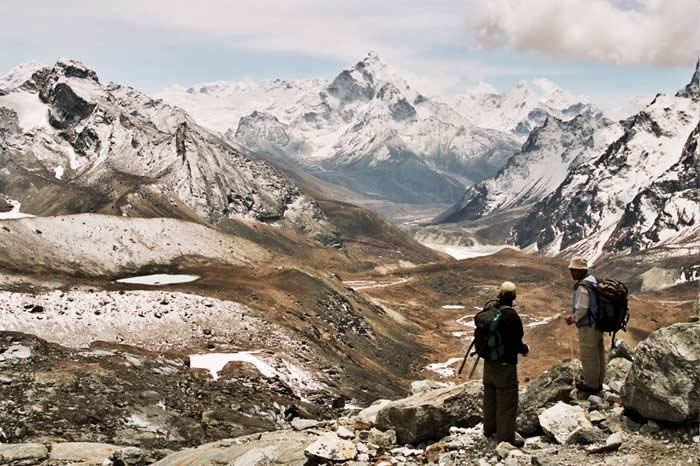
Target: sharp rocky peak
point(74, 69)
point(692, 89)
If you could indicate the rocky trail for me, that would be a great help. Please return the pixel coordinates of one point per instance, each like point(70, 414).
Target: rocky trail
point(117, 405)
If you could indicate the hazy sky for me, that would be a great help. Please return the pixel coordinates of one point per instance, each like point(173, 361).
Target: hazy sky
point(606, 49)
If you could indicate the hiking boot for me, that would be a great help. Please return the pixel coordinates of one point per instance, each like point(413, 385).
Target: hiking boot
point(580, 386)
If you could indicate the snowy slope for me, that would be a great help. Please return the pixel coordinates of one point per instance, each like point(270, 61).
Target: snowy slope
point(546, 158)
point(522, 108)
point(111, 148)
point(637, 194)
point(355, 130)
point(19, 74)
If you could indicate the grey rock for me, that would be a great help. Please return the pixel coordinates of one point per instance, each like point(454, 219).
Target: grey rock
point(128, 456)
point(377, 437)
point(621, 350)
point(597, 402)
point(550, 387)
point(518, 458)
point(281, 447)
point(503, 449)
point(429, 415)
point(21, 454)
point(564, 422)
point(616, 373)
point(612, 443)
point(88, 453)
point(301, 424)
point(650, 427)
point(369, 414)
point(586, 436)
point(420, 386)
point(345, 433)
point(596, 416)
point(662, 383)
point(330, 447)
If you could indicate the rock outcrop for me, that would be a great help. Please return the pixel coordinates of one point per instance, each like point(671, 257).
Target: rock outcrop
point(429, 415)
point(552, 386)
point(665, 375)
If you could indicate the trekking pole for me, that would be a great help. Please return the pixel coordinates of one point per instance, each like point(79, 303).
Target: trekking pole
point(474, 367)
point(464, 361)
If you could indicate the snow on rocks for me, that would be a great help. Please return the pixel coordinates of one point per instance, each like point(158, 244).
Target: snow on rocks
point(149, 319)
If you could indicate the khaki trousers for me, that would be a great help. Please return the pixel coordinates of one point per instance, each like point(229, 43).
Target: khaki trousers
point(500, 400)
point(592, 356)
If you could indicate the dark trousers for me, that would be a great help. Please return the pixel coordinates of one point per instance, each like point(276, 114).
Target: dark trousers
point(500, 400)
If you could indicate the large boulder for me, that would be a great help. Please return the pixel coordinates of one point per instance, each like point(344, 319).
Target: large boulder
point(550, 387)
point(616, 373)
point(282, 447)
point(429, 415)
point(665, 375)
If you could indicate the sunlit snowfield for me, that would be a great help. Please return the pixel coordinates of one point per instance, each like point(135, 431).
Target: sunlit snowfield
point(467, 252)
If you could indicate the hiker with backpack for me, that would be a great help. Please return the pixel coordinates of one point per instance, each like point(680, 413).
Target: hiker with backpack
point(598, 306)
point(584, 313)
point(498, 340)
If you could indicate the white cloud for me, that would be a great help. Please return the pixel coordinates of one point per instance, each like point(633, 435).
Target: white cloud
point(659, 32)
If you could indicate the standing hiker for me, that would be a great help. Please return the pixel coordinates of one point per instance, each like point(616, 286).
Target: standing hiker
point(499, 342)
point(583, 313)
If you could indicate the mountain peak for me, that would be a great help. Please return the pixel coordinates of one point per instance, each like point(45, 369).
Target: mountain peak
point(74, 69)
point(19, 74)
point(692, 89)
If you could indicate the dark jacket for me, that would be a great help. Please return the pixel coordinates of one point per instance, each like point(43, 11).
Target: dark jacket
point(511, 328)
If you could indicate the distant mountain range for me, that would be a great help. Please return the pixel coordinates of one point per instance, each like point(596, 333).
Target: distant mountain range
point(370, 131)
point(70, 144)
point(598, 187)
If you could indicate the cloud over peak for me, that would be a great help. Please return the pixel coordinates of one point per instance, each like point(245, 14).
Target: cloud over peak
point(658, 32)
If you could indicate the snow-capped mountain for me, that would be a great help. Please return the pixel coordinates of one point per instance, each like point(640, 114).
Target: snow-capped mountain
point(367, 129)
point(69, 144)
point(522, 108)
point(543, 163)
point(641, 192)
point(18, 75)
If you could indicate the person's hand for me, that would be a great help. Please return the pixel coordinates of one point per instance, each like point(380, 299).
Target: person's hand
point(569, 320)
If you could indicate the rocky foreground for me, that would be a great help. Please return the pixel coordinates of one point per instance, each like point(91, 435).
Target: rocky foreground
point(647, 414)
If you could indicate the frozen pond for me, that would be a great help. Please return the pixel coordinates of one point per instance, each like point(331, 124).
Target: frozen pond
point(159, 279)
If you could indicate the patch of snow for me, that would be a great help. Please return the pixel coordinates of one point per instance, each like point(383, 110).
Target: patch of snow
point(462, 320)
point(443, 368)
point(142, 423)
point(14, 213)
point(468, 252)
point(58, 172)
point(291, 374)
point(364, 284)
point(159, 279)
point(31, 112)
point(452, 306)
point(16, 352)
